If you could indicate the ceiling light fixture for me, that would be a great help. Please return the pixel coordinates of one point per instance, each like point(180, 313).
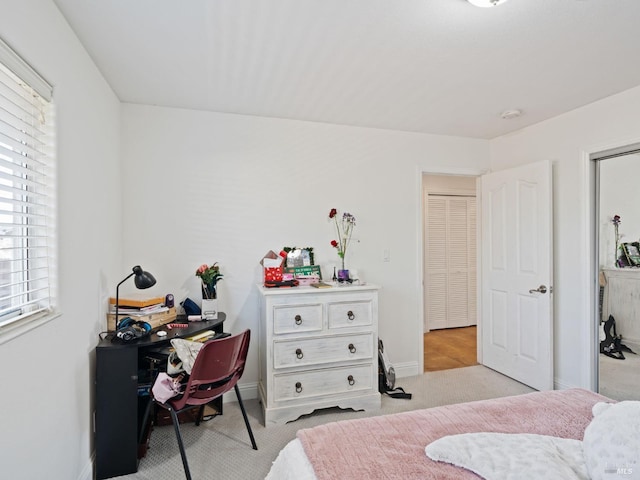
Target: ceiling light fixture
point(486, 3)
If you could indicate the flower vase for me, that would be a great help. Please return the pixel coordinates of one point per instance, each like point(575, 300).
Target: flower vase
point(209, 304)
point(343, 275)
point(209, 309)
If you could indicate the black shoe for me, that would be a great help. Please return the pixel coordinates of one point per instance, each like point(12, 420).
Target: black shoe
point(616, 355)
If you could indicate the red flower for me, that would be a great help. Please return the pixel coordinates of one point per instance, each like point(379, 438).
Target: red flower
point(334, 244)
point(333, 213)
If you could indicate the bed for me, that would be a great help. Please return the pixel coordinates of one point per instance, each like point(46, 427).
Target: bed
point(393, 446)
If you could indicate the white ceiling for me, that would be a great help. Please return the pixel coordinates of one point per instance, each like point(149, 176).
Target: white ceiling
point(433, 66)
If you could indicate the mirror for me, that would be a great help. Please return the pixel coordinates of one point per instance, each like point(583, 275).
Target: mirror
point(619, 277)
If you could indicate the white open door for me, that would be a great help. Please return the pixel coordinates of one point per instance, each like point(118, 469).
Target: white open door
point(517, 313)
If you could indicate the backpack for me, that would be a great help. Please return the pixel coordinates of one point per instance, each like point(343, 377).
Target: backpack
point(387, 376)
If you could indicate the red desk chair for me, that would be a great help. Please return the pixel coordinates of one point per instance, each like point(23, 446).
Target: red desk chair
point(216, 370)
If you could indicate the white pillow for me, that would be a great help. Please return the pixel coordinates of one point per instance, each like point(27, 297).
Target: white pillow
point(611, 444)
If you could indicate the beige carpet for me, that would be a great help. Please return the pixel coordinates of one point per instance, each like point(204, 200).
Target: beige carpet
point(620, 379)
point(220, 449)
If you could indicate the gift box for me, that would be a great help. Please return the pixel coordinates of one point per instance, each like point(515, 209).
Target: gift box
point(305, 280)
point(273, 274)
point(273, 266)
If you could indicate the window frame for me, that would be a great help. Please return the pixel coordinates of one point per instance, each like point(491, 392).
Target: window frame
point(33, 297)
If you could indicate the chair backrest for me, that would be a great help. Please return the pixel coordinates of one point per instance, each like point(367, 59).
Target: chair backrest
point(216, 370)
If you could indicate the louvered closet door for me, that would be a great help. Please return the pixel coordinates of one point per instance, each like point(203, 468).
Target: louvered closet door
point(451, 262)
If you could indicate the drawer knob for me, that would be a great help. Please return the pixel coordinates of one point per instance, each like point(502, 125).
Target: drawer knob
point(350, 315)
point(299, 353)
point(352, 348)
point(298, 387)
point(351, 380)
point(298, 320)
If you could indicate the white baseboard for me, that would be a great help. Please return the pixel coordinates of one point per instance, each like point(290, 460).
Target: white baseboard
point(407, 369)
point(248, 391)
point(87, 471)
point(632, 343)
point(559, 385)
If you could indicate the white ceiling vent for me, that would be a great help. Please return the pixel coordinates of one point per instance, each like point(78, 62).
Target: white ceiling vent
point(509, 114)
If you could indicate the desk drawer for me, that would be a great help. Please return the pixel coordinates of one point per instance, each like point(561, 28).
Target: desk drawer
point(350, 314)
point(322, 350)
point(297, 318)
point(324, 382)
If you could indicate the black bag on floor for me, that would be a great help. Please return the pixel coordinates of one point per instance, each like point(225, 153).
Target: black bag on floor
point(612, 345)
point(387, 376)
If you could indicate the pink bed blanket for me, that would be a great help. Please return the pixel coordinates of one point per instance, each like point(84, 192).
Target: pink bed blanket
point(392, 446)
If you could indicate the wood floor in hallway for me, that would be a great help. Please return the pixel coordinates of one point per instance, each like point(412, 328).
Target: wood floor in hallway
point(450, 348)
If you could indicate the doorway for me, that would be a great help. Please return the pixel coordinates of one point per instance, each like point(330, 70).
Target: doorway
point(450, 348)
point(618, 349)
point(450, 271)
point(515, 333)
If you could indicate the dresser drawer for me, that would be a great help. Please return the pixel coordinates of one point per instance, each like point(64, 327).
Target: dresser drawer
point(316, 383)
point(350, 314)
point(322, 350)
point(297, 318)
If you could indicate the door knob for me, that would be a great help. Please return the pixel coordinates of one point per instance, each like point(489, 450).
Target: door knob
point(540, 289)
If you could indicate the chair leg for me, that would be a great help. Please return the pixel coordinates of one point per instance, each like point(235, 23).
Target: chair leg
point(246, 420)
point(183, 454)
point(200, 415)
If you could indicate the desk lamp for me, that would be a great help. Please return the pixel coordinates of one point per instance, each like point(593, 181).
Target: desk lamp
point(142, 280)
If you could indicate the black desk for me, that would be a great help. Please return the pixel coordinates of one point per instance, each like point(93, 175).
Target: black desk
point(121, 417)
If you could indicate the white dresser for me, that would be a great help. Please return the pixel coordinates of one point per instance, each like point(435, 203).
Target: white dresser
point(622, 300)
point(318, 349)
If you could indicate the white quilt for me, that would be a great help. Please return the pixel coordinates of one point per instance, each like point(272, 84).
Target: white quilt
point(512, 456)
point(291, 464)
point(609, 450)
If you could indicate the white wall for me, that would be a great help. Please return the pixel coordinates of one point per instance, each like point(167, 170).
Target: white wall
point(203, 187)
point(448, 184)
point(206, 187)
point(47, 392)
point(568, 140)
point(618, 196)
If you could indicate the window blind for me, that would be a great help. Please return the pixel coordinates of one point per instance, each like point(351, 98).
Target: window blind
point(26, 191)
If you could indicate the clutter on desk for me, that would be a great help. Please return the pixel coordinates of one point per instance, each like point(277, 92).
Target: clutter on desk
point(202, 336)
point(190, 308)
point(130, 329)
point(149, 309)
point(137, 301)
point(154, 319)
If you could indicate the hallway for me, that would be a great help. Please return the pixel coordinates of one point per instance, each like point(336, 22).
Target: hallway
point(450, 348)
